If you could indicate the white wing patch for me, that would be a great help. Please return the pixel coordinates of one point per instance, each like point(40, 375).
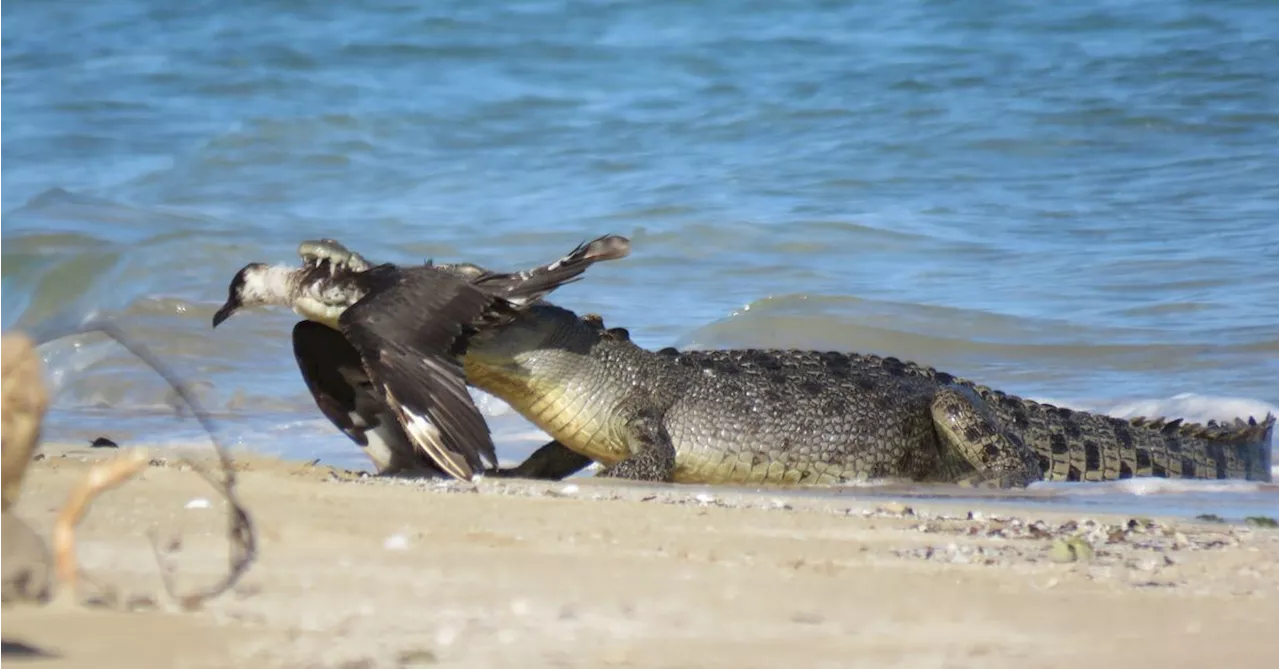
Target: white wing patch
point(380, 444)
point(427, 437)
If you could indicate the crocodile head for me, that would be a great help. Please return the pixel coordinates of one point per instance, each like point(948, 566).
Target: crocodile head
point(538, 330)
point(563, 373)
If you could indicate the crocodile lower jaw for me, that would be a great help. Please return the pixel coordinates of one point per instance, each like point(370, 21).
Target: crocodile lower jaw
point(313, 309)
point(574, 419)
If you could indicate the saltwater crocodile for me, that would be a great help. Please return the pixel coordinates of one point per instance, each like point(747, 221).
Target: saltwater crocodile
point(819, 417)
point(811, 417)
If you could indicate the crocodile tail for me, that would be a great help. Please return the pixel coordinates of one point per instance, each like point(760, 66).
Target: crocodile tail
point(529, 286)
point(1250, 438)
point(1081, 446)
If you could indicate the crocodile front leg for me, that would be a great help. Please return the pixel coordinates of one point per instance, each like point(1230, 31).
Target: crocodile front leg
point(965, 425)
point(551, 462)
point(653, 456)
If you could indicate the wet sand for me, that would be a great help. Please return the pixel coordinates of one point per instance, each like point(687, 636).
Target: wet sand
point(361, 572)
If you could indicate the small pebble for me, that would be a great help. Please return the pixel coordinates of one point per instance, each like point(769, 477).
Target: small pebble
point(520, 607)
point(704, 498)
point(1073, 549)
point(1038, 530)
point(1147, 565)
point(141, 603)
point(446, 635)
point(806, 618)
point(396, 542)
point(198, 503)
point(570, 489)
point(897, 509)
point(416, 658)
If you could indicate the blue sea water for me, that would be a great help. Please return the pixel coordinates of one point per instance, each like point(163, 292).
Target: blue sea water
point(1074, 202)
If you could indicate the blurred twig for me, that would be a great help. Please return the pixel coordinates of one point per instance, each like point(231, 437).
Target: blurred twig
point(240, 531)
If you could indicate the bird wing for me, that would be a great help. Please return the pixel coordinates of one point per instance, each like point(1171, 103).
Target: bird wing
point(407, 332)
point(526, 287)
point(336, 377)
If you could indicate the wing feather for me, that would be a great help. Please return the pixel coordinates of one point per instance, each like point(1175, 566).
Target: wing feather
point(335, 375)
point(340, 385)
point(406, 333)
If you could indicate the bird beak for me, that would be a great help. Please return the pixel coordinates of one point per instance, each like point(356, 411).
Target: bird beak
point(224, 313)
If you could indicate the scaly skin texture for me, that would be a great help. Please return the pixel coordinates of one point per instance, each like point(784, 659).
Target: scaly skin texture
point(808, 417)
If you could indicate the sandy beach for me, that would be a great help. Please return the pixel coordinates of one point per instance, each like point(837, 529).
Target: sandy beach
point(356, 571)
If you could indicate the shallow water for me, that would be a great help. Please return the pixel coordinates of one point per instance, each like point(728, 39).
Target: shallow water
point(1073, 203)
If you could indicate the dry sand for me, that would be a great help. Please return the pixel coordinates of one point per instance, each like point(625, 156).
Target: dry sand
point(359, 572)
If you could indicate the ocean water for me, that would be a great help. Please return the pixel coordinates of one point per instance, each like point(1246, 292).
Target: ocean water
point(1074, 203)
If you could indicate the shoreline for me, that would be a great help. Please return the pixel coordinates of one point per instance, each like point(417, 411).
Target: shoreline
point(357, 571)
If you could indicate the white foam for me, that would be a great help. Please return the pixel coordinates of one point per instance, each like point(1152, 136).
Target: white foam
point(488, 405)
point(1193, 407)
point(1150, 486)
point(67, 357)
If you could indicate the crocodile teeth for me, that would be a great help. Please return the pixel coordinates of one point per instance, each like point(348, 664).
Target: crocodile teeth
point(333, 265)
point(325, 249)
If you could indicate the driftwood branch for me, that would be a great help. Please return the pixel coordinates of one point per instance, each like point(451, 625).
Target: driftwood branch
point(240, 531)
point(101, 478)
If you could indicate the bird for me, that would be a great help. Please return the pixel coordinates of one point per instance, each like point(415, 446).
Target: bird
point(381, 346)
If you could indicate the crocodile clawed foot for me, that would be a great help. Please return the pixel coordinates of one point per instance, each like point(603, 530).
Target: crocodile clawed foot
point(967, 427)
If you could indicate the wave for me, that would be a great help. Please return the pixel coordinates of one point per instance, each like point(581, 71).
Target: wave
point(1028, 354)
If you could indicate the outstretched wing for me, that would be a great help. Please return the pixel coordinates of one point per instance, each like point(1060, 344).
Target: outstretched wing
point(407, 333)
point(336, 377)
point(526, 287)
